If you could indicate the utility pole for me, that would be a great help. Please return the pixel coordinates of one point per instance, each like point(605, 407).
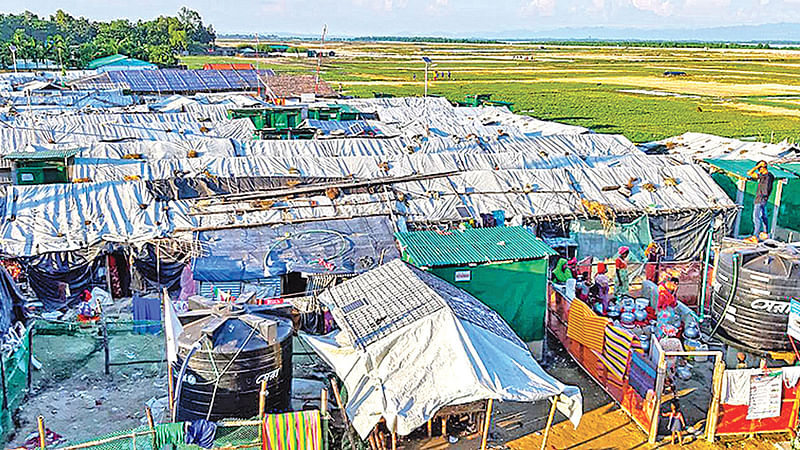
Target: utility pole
point(319, 57)
point(258, 72)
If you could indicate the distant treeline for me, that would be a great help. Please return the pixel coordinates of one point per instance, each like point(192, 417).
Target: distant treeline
point(74, 42)
point(662, 44)
point(439, 40)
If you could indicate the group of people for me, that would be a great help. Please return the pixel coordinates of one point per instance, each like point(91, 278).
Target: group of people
point(599, 288)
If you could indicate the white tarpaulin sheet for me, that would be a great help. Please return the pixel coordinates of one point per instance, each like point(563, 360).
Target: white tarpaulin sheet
point(411, 344)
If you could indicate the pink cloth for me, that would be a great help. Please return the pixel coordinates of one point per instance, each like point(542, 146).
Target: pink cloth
point(188, 285)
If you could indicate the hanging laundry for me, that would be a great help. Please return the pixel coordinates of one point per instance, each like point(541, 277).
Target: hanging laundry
point(585, 326)
point(168, 434)
point(617, 348)
point(300, 430)
point(736, 386)
point(642, 377)
point(201, 432)
point(791, 375)
point(146, 315)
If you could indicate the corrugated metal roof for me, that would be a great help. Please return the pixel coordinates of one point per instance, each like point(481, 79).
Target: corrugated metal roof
point(117, 60)
point(43, 154)
point(473, 245)
point(740, 167)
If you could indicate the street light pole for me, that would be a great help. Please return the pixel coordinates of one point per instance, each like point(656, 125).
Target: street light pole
point(427, 64)
point(426, 79)
point(13, 49)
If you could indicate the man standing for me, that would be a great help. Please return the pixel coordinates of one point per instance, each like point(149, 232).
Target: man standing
point(763, 191)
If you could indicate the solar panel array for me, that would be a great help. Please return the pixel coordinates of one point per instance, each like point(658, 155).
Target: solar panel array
point(178, 80)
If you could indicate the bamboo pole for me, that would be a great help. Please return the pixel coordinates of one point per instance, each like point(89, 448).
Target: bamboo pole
point(713, 411)
point(339, 403)
point(262, 399)
point(394, 437)
point(549, 421)
point(660, 378)
point(40, 422)
point(487, 422)
point(151, 425)
point(323, 401)
point(323, 406)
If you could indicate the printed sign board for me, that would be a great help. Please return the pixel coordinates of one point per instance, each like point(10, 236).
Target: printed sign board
point(794, 319)
point(765, 396)
point(463, 276)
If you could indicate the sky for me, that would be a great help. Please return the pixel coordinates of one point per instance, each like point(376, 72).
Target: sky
point(430, 17)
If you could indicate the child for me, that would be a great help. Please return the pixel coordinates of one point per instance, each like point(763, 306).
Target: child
point(621, 264)
point(676, 424)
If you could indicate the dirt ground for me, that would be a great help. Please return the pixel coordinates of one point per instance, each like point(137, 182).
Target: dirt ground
point(79, 402)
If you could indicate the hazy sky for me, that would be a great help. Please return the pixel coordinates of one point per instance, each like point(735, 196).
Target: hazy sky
point(430, 17)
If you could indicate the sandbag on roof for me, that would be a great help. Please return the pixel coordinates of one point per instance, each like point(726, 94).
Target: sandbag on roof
point(410, 344)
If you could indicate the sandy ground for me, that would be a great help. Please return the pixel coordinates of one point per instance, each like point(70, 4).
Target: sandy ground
point(79, 402)
point(76, 399)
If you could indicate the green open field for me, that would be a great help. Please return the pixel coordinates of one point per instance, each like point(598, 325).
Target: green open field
point(730, 92)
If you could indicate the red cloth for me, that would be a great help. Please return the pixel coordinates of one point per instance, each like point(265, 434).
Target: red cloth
point(620, 263)
point(665, 298)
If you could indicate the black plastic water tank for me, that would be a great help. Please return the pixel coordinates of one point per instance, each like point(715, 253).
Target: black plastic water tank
point(237, 351)
point(758, 313)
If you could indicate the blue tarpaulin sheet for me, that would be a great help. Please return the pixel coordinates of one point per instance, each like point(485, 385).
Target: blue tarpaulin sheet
point(331, 247)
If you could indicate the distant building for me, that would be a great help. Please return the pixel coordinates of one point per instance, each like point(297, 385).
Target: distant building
point(284, 89)
point(119, 62)
point(31, 64)
point(227, 66)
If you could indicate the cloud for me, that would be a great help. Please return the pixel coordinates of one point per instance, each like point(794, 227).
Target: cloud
point(382, 5)
point(539, 7)
point(436, 6)
point(662, 8)
point(274, 6)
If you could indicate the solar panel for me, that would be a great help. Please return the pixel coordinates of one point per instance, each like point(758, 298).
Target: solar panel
point(214, 80)
point(176, 80)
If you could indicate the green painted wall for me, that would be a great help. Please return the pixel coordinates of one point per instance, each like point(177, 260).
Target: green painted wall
point(517, 291)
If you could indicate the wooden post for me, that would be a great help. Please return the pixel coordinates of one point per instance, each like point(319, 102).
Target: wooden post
point(40, 421)
point(323, 406)
point(713, 411)
point(740, 187)
point(487, 422)
point(660, 377)
point(430, 428)
point(549, 421)
point(150, 422)
point(3, 382)
point(339, 403)
point(262, 399)
point(444, 427)
point(394, 437)
point(151, 425)
point(171, 390)
point(104, 329)
point(777, 207)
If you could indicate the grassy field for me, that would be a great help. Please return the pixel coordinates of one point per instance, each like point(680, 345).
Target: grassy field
point(737, 93)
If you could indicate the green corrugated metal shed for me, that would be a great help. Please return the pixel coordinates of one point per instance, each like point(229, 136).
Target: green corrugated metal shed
point(471, 246)
point(739, 167)
point(41, 155)
point(116, 60)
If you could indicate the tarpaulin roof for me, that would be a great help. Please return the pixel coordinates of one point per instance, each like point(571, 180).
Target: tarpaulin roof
point(740, 167)
point(699, 146)
point(473, 245)
point(329, 247)
point(410, 344)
